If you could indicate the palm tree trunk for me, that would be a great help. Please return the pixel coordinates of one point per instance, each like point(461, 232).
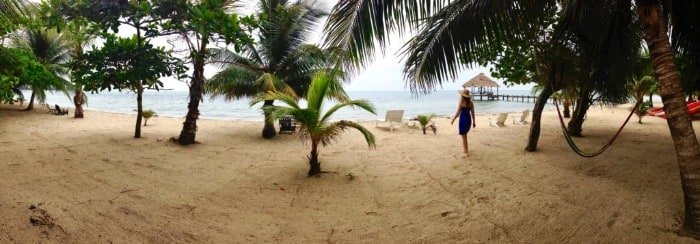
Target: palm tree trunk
point(189, 128)
point(537, 116)
point(139, 110)
point(651, 103)
point(269, 129)
point(567, 110)
point(31, 102)
point(78, 100)
point(314, 165)
point(682, 132)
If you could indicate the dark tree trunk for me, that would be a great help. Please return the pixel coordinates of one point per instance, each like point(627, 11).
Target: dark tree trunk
point(269, 128)
point(189, 127)
point(139, 110)
point(537, 116)
point(576, 123)
point(31, 102)
point(651, 103)
point(424, 129)
point(575, 126)
point(314, 164)
point(78, 101)
point(682, 132)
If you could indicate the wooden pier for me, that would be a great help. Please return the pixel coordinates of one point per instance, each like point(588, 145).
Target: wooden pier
point(481, 88)
point(507, 98)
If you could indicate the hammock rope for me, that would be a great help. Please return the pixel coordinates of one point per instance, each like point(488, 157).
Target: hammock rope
point(580, 152)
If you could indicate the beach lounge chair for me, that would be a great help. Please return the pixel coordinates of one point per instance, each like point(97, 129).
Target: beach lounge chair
point(393, 118)
point(50, 110)
point(287, 125)
point(60, 111)
point(523, 118)
point(500, 121)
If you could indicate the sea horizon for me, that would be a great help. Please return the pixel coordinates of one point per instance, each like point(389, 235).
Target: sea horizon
point(173, 103)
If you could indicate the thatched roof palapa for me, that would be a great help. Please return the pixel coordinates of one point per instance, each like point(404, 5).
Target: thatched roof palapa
point(480, 80)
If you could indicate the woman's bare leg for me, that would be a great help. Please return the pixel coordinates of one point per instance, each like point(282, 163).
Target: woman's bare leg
point(465, 144)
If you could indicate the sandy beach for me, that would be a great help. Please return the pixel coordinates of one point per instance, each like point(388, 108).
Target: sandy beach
point(65, 180)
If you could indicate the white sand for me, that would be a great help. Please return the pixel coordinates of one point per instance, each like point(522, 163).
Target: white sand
point(92, 182)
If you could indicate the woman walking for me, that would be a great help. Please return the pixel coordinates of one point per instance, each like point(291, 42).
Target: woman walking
point(467, 118)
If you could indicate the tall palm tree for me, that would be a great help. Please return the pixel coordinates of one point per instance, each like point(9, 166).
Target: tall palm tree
point(279, 61)
point(316, 126)
point(451, 31)
point(52, 49)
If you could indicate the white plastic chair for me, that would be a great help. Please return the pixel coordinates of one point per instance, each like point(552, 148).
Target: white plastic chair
point(523, 118)
point(500, 121)
point(393, 117)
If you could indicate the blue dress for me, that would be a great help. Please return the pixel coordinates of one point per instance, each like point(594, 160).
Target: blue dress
point(465, 121)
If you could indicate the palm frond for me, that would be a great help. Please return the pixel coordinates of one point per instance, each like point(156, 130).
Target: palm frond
point(457, 33)
point(14, 10)
point(608, 37)
point(318, 90)
point(280, 57)
point(332, 132)
point(224, 57)
point(277, 112)
point(358, 27)
point(285, 29)
point(271, 83)
point(685, 24)
point(233, 83)
point(279, 96)
point(363, 104)
point(425, 119)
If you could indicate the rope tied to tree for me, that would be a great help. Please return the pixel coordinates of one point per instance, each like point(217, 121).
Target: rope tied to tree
point(580, 152)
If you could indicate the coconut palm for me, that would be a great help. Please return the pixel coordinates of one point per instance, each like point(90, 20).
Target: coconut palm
point(279, 61)
point(316, 126)
point(53, 51)
point(452, 31)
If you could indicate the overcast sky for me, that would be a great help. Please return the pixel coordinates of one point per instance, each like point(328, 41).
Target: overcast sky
point(383, 74)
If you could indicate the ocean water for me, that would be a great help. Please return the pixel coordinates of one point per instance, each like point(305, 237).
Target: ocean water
point(169, 103)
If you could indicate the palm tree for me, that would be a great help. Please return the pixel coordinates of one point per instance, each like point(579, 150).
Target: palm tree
point(316, 126)
point(452, 31)
point(279, 61)
point(53, 51)
point(11, 13)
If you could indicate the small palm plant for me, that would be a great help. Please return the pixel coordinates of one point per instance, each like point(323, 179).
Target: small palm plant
point(638, 90)
point(147, 114)
point(424, 120)
point(316, 126)
point(642, 110)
